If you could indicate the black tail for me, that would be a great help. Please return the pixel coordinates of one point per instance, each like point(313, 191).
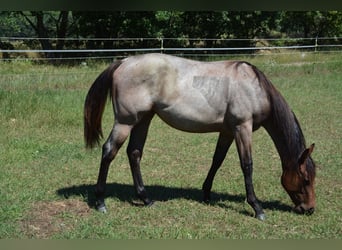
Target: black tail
point(95, 103)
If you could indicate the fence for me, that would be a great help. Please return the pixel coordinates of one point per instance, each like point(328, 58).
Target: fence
point(16, 48)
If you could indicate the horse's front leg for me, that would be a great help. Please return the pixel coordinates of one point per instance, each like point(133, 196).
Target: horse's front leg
point(243, 138)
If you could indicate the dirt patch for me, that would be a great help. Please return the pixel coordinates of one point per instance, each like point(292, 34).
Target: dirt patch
point(48, 218)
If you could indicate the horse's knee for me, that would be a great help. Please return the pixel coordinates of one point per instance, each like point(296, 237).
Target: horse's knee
point(115, 140)
point(108, 151)
point(134, 156)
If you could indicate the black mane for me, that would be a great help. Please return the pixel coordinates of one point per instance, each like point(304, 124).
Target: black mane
point(290, 142)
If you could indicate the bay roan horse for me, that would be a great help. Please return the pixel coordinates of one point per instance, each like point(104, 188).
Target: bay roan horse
point(233, 98)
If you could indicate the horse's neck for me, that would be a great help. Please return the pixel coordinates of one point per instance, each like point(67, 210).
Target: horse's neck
point(288, 141)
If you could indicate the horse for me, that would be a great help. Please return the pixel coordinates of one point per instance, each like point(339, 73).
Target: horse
point(232, 98)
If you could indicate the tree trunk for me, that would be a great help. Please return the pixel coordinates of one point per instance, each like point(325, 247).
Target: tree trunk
point(42, 31)
point(43, 34)
point(62, 27)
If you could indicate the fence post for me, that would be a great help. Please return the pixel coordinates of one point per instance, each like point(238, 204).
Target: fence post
point(161, 45)
point(316, 43)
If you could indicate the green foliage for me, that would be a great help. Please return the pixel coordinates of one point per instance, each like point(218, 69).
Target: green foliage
point(312, 24)
point(12, 24)
point(175, 24)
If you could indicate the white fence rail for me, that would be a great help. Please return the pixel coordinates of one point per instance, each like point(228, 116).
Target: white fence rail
point(198, 46)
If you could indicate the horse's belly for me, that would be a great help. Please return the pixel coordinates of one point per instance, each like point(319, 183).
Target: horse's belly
point(191, 118)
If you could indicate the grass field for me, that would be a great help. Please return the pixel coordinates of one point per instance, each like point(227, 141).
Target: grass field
point(47, 177)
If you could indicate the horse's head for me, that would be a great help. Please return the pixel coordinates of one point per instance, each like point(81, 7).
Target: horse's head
point(299, 183)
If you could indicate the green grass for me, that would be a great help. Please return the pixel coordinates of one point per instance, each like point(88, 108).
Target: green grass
point(47, 177)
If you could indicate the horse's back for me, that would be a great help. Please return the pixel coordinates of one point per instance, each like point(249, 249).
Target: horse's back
point(189, 95)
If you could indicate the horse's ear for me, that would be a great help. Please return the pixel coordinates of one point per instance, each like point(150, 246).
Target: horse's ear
point(306, 153)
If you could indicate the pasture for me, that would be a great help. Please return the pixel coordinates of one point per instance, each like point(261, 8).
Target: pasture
point(47, 176)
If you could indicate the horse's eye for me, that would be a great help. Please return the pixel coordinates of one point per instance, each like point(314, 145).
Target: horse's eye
point(306, 182)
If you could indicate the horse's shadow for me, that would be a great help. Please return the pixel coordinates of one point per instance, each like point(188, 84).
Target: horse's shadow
point(125, 193)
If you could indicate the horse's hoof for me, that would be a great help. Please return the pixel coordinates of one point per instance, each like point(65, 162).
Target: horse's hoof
point(149, 204)
point(101, 208)
point(206, 201)
point(206, 198)
point(261, 217)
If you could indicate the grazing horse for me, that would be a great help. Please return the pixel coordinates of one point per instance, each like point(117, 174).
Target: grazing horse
point(233, 98)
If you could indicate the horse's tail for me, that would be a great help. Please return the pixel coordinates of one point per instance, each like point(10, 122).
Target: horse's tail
point(95, 103)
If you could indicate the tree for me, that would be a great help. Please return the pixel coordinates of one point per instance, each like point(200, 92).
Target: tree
point(12, 24)
point(49, 24)
point(51, 27)
point(312, 23)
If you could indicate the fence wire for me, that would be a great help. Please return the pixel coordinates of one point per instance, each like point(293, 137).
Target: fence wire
point(192, 47)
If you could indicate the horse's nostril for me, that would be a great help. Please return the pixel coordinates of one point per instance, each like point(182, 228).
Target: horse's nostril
point(310, 211)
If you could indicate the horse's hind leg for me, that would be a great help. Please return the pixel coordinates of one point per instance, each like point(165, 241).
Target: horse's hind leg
point(135, 151)
point(111, 147)
point(221, 150)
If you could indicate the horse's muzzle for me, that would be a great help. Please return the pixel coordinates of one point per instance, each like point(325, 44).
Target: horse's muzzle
point(301, 209)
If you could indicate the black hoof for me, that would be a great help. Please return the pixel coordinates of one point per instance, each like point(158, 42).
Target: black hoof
point(101, 207)
point(261, 217)
point(206, 197)
point(206, 201)
point(149, 203)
